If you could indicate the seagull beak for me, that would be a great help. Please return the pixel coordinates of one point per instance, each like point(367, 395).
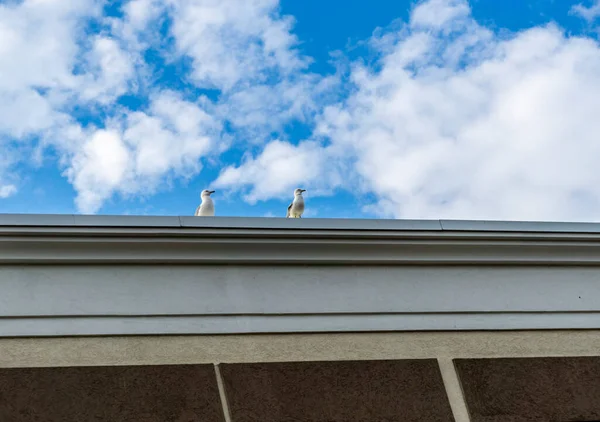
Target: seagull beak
point(302, 190)
point(211, 191)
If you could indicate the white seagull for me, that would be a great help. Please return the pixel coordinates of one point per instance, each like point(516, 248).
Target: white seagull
point(296, 208)
point(207, 207)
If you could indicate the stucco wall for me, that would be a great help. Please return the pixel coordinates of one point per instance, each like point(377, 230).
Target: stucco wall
point(441, 347)
point(146, 350)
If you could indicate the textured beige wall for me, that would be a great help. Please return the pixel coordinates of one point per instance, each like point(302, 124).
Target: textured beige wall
point(76, 351)
point(444, 346)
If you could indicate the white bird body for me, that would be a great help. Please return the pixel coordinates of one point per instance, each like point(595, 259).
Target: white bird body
point(207, 206)
point(296, 208)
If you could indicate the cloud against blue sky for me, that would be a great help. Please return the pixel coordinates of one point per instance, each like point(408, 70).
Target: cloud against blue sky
point(430, 109)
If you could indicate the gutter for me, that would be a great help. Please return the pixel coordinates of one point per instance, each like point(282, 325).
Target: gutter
point(68, 239)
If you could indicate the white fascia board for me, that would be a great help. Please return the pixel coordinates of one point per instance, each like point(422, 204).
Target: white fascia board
point(31, 239)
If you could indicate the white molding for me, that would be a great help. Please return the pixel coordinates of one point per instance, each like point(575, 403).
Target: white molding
point(275, 241)
point(260, 324)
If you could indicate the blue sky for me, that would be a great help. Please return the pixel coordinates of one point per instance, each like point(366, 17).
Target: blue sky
point(387, 109)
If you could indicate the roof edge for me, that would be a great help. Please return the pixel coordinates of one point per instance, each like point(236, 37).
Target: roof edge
point(306, 248)
point(267, 223)
point(39, 239)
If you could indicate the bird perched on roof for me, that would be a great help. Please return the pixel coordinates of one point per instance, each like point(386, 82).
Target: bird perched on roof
point(207, 207)
point(296, 208)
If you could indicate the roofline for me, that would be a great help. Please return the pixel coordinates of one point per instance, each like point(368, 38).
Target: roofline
point(81, 239)
point(78, 220)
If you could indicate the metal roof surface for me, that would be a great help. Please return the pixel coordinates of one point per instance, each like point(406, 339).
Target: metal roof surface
point(71, 220)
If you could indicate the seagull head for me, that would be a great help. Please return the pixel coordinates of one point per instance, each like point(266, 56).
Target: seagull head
point(298, 192)
point(206, 193)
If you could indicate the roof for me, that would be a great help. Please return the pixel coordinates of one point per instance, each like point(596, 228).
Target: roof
point(72, 220)
point(128, 275)
point(33, 238)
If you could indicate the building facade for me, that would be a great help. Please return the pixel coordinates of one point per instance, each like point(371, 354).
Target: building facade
point(263, 319)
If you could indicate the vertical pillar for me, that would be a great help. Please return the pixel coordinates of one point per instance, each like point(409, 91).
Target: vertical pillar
point(222, 393)
point(454, 390)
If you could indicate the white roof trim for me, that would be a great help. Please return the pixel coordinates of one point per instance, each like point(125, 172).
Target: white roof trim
point(70, 220)
point(67, 239)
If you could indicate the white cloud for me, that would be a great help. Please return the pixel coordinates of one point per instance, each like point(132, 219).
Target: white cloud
point(261, 109)
point(26, 112)
point(38, 42)
point(139, 28)
point(278, 170)
point(234, 42)
point(7, 190)
point(438, 14)
point(142, 149)
point(7, 187)
point(173, 136)
point(46, 71)
point(110, 70)
point(38, 50)
point(98, 169)
point(452, 121)
point(589, 13)
point(493, 128)
point(140, 12)
point(475, 125)
point(246, 51)
point(54, 69)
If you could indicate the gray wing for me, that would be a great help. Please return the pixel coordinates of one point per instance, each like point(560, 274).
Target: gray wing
point(288, 210)
point(197, 211)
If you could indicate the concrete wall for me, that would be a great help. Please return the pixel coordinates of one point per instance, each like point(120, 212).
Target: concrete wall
point(150, 350)
point(373, 372)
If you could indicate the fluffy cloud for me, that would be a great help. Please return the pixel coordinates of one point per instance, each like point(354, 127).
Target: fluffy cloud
point(454, 121)
point(280, 168)
point(499, 128)
point(438, 14)
point(110, 71)
point(7, 190)
point(138, 13)
point(235, 42)
point(46, 73)
point(589, 13)
point(259, 110)
point(98, 169)
point(38, 51)
point(451, 120)
point(247, 52)
point(60, 62)
point(140, 149)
